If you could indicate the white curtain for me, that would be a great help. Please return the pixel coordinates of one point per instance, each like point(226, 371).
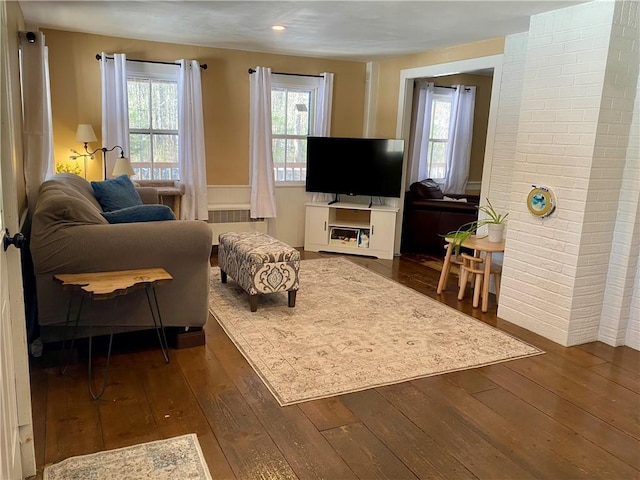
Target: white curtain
point(322, 123)
point(37, 126)
point(420, 126)
point(460, 136)
point(263, 199)
point(191, 156)
point(115, 109)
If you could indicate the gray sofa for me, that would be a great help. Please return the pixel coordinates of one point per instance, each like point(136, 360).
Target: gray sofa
point(69, 235)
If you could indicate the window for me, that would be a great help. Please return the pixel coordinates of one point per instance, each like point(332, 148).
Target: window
point(439, 135)
point(153, 121)
point(293, 102)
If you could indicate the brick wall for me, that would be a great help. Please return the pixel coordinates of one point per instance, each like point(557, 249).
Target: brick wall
point(620, 321)
point(633, 327)
point(572, 133)
point(507, 116)
point(629, 231)
point(605, 243)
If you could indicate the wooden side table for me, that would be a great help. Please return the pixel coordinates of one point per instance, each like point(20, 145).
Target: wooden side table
point(479, 244)
point(105, 285)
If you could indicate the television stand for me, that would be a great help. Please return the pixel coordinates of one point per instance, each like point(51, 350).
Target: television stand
point(351, 228)
point(335, 200)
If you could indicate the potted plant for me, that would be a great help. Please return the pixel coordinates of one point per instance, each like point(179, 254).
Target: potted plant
point(457, 237)
point(495, 222)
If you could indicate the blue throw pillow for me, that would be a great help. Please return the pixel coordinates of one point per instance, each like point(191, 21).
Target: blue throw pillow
point(116, 193)
point(140, 213)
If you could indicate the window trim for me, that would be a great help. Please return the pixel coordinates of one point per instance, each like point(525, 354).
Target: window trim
point(440, 94)
point(158, 73)
point(296, 82)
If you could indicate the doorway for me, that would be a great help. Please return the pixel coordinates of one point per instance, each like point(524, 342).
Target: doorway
point(405, 101)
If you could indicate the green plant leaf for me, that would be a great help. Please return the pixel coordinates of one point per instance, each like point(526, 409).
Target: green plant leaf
point(457, 237)
point(494, 217)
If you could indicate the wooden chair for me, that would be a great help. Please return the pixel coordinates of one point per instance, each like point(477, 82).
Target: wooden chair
point(454, 260)
point(475, 266)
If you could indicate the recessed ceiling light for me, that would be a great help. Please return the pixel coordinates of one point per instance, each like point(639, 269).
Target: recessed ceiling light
point(278, 28)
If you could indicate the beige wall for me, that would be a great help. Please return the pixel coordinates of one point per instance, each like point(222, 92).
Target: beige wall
point(75, 92)
point(483, 85)
point(389, 76)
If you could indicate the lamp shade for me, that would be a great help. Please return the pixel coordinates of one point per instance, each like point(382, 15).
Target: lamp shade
point(122, 167)
point(85, 133)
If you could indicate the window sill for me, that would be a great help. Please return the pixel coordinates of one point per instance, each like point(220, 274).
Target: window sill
point(290, 184)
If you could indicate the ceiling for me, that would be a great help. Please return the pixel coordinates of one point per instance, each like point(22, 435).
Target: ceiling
point(344, 30)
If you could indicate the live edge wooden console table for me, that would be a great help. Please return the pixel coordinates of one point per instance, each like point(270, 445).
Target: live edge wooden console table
point(105, 285)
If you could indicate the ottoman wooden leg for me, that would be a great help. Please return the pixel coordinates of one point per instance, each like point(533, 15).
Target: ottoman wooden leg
point(223, 276)
point(253, 302)
point(292, 298)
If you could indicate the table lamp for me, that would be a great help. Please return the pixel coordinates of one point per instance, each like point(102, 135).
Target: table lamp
point(122, 167)
point(86, 135)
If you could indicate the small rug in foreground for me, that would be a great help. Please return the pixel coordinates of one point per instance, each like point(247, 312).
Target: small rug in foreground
point(173, 458)
point(352, 329)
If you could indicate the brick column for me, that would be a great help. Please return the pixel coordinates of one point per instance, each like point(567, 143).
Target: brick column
point(579, 85)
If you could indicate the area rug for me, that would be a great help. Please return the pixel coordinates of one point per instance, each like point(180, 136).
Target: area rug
point(352, 329)
point(173, 458)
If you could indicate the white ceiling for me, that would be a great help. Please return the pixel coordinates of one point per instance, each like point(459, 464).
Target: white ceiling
point(346, 30)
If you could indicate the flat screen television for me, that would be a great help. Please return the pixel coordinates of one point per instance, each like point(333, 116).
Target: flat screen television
point(355, 166)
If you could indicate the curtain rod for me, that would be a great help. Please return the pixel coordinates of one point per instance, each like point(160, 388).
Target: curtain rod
point(252, 71)
point(99, 57)
point(453, 88)
point(442, 86)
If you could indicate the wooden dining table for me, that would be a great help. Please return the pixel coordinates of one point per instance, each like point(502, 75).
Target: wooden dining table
point(479, 244)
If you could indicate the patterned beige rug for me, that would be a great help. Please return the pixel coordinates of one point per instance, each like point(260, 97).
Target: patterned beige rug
point(352, 329)
point(170, 459)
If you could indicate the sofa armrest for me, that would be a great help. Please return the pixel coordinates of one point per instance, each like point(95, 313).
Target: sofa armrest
point(148, 195)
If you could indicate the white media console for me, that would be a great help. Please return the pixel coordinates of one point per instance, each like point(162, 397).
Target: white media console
point(350, 228)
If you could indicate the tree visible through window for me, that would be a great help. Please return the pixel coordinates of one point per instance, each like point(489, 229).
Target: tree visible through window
point(153, 128)
point(293, 103)
point(439, 136)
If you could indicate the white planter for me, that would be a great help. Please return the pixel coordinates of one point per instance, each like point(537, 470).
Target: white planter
point(496, 232)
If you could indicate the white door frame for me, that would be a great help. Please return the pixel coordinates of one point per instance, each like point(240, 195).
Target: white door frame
point(17, 460)
point(405, 102)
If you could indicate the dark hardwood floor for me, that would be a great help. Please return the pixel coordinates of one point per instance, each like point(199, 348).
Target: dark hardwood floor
point(572, 413)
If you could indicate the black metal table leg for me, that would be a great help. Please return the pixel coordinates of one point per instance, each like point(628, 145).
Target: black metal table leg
point(66, 331)
point(94, 395)
point(151, 292)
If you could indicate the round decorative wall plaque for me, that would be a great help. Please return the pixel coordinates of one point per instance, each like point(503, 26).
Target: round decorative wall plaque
point(540, 202)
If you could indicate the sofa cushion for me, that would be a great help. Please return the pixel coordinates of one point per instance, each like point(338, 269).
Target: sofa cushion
point(116, 193)
point(140, 213)
point(427, 188)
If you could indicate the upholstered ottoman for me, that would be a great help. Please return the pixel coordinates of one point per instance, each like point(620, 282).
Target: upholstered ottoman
point(259, 264)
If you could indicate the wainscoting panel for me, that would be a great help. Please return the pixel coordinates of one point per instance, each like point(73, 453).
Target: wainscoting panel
point(236, 220)
point(229, 207)
point(229, 211)
point(289, 225)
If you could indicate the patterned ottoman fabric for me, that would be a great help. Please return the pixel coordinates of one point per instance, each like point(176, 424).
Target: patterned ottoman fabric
point(259, 264)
